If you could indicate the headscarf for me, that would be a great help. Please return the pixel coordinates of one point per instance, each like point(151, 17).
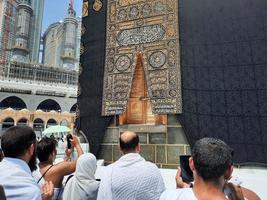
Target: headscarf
point(83, 186)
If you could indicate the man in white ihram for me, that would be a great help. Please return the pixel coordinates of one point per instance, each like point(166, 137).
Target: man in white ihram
point(19, 147)
point(131, 177)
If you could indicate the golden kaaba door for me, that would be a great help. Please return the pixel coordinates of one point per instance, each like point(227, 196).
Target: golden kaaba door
point(139, 108)
point(150, 27)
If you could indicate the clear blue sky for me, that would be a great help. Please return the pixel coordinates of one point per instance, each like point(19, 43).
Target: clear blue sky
point(56, 10)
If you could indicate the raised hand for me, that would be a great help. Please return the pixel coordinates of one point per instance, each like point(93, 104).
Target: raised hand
point(179, 181)
point(47, 190)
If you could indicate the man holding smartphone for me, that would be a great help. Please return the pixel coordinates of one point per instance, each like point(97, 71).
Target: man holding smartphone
point(211, 163)
point(205, 157)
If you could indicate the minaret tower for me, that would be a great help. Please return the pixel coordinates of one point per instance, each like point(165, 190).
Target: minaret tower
point(71, 26)
point(21, 45)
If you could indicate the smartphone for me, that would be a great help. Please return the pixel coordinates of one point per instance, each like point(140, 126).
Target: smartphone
point(186, 172)
point(69, 136)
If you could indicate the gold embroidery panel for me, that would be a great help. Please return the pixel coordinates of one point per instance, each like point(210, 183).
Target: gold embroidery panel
point(149, 27)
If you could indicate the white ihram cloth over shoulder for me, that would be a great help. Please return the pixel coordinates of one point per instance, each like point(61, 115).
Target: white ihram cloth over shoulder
point(16, 178)
point(129, 178)
point(83, 186)
point(178, 194)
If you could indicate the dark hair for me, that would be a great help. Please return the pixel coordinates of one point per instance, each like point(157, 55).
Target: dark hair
point(16, 140)
point(212, 157)
point(45, 147)
point(1, 155)
point(129, 145)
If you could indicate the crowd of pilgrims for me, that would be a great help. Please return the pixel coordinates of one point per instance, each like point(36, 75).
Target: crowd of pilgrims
point(28, 172)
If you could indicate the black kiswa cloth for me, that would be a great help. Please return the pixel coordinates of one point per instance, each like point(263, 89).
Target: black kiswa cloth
point(92, 61)
point(224, 70)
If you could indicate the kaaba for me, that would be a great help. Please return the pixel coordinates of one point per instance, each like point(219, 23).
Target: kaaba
point(203, 62)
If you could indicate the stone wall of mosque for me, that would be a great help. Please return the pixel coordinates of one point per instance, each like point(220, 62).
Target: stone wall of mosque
point(162, 144)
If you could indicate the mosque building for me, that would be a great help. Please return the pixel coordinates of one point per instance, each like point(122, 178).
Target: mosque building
point(34, 93)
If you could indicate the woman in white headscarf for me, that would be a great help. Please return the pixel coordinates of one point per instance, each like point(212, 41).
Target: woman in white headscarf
point(83, 186)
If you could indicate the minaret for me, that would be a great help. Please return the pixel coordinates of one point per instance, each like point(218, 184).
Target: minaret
point(71, 26)
point(22, 35)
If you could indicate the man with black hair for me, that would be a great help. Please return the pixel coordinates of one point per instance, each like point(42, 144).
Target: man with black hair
point(19, 146)
point(131, 177)
point(211, 163)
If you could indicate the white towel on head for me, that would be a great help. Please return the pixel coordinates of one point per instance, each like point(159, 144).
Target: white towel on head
point(83, 186)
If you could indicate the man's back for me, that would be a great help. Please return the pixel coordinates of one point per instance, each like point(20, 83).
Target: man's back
point(131, 177)
point(15, 176)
